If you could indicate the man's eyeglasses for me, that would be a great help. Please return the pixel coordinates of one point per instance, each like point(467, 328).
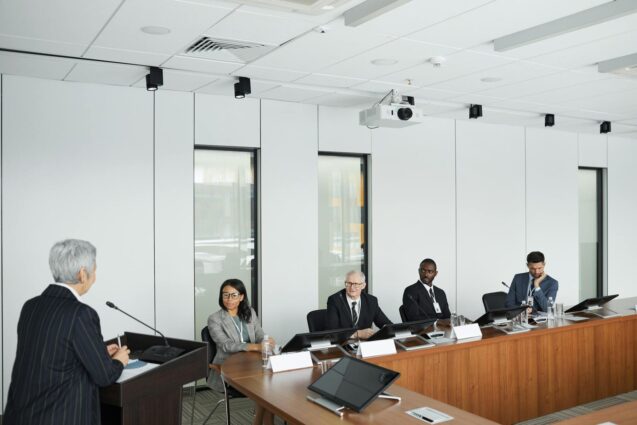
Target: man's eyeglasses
point(230, 295)
point(355, 285)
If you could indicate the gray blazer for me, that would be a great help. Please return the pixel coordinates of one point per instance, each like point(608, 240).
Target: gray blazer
point(225, 335)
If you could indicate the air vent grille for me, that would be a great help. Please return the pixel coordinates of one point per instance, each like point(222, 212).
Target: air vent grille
point(207, 44)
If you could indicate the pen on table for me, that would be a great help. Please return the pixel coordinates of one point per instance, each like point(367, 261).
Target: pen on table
point(423, 417)
point(119, 342)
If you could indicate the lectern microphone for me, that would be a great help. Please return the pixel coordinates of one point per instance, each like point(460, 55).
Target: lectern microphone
point(157, 353)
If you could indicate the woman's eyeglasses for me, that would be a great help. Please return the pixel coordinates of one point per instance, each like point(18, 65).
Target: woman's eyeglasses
point(230, 295)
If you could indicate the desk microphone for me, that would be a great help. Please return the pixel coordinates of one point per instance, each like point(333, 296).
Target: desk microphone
point(156, 353)
point(419, 307)
point(506, 285)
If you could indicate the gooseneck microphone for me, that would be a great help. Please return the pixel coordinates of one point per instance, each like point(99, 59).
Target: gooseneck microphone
point(156, 353)
point(427, 315)
point(506, 285)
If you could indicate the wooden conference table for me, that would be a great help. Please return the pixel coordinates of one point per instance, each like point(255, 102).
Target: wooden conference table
point(505, 378)
point(284, 394)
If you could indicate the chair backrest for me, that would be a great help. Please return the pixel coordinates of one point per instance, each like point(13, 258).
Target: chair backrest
point(212, 347)
point(494, 301)
point(317, 320)
point(403, 316)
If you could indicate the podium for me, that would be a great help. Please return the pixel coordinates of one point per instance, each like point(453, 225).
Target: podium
point(153, 397)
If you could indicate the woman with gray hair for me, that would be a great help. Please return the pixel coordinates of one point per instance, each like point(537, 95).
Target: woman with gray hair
point(61, 359)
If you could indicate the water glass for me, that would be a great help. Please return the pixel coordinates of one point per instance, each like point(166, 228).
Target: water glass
point(454, 319)
point(461, 320)
point(559, 310)
point(266, 350)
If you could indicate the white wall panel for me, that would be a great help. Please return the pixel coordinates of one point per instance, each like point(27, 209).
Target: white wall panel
point(289, 217)
point(174, 226)
point(226, 121)
point(622, 210)
point(552, 206)
point(339, 131)
point(413, 209)
point(593, 150)
point(77, 163)
point(490, 208)
point(1, 284)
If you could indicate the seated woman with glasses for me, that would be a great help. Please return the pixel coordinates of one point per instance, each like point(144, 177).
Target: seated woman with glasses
point(234, 328)
point(353, 308)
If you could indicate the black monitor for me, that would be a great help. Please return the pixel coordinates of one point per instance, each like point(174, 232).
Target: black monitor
point(353, 383)
point(591, 303)
point(500, 315)
point(401, 330)
point(319, 339)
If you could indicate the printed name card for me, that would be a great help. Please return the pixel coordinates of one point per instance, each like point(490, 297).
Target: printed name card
point(467, 331)
point(290, 361)
point(381, 347)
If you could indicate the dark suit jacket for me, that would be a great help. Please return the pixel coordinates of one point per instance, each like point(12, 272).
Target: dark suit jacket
point(339, 312)
point(421, 296)
point(520, 285)
point(60, 362)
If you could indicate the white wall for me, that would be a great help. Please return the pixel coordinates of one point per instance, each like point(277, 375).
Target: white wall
point(593, 150)
point(622, 210)
point(226, 121)
point(77, 163)
point(490, 208)
point(552, 206)
point(174, 216)
point(289, 217)
point(413, 209)
point(339, 131)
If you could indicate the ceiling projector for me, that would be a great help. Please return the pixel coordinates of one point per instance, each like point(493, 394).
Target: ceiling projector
point(391, 111)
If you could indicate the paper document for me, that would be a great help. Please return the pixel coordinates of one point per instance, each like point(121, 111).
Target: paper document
point(134, 368)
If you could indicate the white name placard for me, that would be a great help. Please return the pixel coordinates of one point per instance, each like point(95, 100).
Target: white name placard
point(467, 331)
point(290, 361)
point(382, 347)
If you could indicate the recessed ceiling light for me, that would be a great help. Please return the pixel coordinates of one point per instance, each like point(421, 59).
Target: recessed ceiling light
point(490, 79)
point(384, 62)
point(328, 7)
point(153, 30)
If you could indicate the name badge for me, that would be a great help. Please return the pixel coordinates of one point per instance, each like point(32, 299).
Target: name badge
point(437, 307)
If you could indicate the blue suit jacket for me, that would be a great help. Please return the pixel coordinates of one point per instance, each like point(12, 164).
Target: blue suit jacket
point(520, 285)
point(60, 363)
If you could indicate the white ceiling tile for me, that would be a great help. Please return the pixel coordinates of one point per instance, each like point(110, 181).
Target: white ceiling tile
point(259, 25)
point(416, 15)
point(34, 65)
point(265, 73)
point(201, 65)
point(314, 52)
point(631, 121)
point(591, 53)
point(125, 56)
point(382, 87)
point(406, 53)
point(611, 84)
point(106, 73)
point(498, 18)
point(508, 73)
point(181, 80)
point(327, 80)
point(517, 105)
point(186, 22)
point(475, 98)
point(291, 94)
point(426, 93)
point(53, 26)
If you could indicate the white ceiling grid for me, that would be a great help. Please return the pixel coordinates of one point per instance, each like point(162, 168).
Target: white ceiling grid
point(317, 59)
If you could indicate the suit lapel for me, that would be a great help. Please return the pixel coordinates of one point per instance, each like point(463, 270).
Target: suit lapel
point(229, 327)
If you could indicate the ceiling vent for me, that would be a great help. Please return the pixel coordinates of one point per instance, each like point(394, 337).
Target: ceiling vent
point(308, 7)
point(226, 50)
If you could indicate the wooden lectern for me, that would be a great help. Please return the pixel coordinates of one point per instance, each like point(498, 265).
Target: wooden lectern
point(153, 397)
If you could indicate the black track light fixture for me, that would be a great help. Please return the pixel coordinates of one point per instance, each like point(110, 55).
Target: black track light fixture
point(154, 79)
point(604, 127)
point(242, 88)
point(475, 111)
point(549, 120)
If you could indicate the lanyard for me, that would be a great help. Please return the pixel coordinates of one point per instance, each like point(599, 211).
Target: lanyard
point(239, 329)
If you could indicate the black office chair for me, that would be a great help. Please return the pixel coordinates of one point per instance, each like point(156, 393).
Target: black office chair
point(229, 392)
point(403, 315)
point(494, 300)
point(317, 320)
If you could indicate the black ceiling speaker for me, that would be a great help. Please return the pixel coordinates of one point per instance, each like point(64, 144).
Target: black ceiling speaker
point(604, 127)
point(549, 120)
point(242, 88)
point(154, 79)
point(475, 111)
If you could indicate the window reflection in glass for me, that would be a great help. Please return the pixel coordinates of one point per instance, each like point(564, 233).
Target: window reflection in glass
point(224, 226)
point(342, 223)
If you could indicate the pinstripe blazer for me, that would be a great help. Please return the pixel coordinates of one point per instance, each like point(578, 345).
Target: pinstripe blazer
point(60, 362)
point(225, 335)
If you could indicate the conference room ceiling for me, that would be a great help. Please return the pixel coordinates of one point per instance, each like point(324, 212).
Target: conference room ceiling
point(316, 58)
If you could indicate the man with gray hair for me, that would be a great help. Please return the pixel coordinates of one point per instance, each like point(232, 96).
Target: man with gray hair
point(61, 358)
point(353, 308)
